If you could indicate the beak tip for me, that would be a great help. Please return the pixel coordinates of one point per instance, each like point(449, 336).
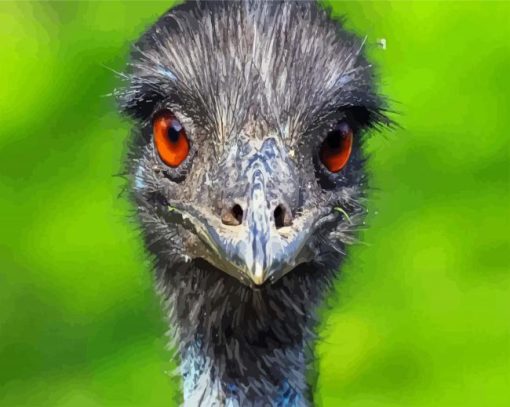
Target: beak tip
point(258, 275)
point(258, 281)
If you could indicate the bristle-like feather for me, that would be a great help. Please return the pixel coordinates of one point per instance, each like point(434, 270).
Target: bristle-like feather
point(240, 77)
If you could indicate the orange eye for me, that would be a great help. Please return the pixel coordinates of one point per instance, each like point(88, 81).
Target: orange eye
point(170, 139)
point(336, 148)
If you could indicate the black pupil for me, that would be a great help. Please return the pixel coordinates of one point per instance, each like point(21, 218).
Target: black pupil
point(173, 134)
point(334, 140)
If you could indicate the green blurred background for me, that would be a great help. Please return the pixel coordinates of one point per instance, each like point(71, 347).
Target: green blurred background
point(421, 317)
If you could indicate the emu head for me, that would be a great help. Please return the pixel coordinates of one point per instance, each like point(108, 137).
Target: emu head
point(250, 119)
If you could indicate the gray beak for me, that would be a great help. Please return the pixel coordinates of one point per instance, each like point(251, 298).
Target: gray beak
point(255, 251)
point(258, 248)
point(258, 254)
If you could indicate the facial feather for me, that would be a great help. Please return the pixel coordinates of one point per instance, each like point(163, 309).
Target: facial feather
point(258, 86)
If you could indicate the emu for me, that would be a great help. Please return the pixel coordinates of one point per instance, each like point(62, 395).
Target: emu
point(246, 167)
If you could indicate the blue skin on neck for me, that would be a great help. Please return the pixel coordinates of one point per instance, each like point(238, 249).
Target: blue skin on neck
point(287, 397)
point(194, 365)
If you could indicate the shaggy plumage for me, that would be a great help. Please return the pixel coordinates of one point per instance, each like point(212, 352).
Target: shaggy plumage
point(257, 87)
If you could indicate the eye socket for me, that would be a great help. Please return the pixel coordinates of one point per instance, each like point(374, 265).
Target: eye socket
point(336, 147)
point(170, 139)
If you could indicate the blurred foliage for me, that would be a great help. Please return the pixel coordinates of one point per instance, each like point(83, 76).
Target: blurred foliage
point(420, 317)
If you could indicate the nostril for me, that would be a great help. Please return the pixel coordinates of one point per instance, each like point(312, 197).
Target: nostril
point(282, 217)
point(278, 216)
point(237, 211)
point(233, 217)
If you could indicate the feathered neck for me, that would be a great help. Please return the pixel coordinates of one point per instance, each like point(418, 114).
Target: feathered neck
point(240, 346)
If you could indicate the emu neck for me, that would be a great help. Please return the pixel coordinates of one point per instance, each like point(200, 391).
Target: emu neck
point(241, 346)
point(203, 384)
